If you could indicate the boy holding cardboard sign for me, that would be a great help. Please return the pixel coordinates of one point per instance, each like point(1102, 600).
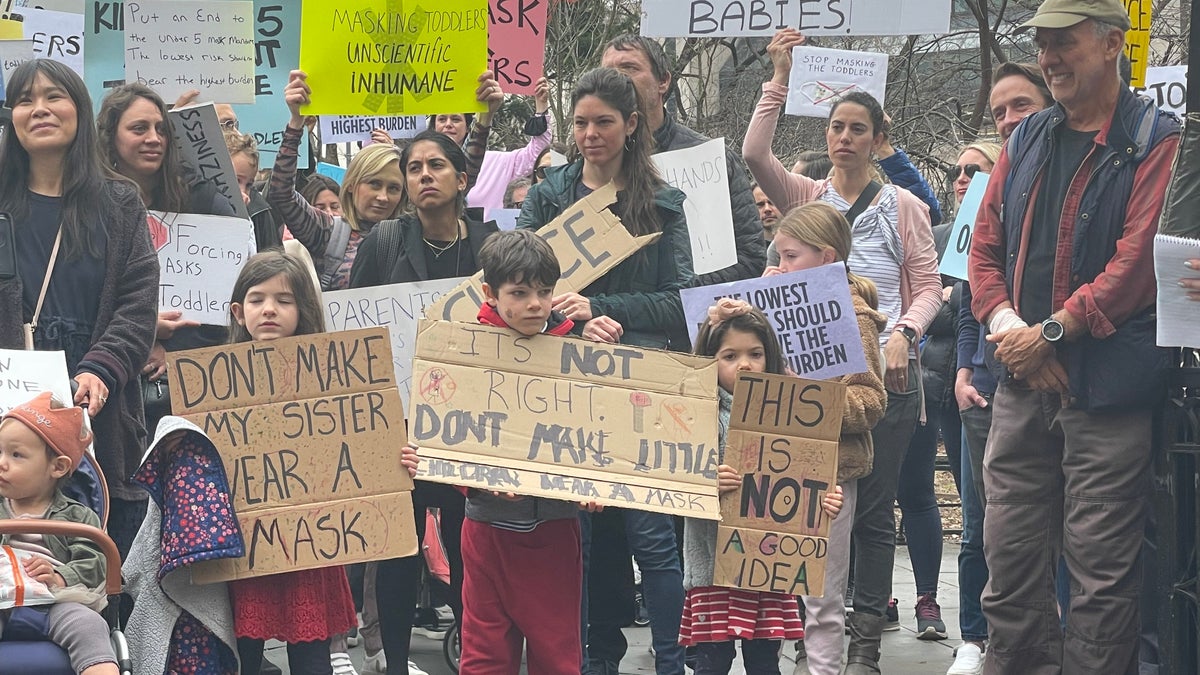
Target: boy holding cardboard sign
point(522, 556)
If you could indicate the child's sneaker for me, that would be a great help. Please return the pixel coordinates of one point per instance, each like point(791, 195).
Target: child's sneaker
point(929, 619)
point(375, 664)
point(341, 664)
point(414, 669)
point(968, 660)
point(892, 616)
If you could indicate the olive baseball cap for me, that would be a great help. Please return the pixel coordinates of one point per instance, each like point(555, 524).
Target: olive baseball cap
point(1067, 13)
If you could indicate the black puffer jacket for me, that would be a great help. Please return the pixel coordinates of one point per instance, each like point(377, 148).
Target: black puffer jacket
point(939, 353)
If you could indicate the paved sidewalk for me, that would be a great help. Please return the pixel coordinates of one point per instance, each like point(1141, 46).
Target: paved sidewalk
point(903, 654)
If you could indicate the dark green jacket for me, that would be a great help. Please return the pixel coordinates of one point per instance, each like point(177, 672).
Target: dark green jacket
point(83, 562)
point(642, 292)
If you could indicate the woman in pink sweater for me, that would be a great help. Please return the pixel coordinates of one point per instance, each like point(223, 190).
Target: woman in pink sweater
point(893, 246)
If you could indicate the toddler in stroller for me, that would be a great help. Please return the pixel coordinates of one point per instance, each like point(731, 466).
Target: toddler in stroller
point(42, 443)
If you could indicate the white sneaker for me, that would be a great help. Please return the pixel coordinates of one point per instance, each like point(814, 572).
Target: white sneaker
point(341, 664)
point(414, 669)
point(968, 660)
point(375, 664)
point(431, 634)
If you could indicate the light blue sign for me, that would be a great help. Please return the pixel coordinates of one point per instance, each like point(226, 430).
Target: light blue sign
point(954, 259)
point(276, 53)
point(332, 171)
point(104, 44)
point(811, 312)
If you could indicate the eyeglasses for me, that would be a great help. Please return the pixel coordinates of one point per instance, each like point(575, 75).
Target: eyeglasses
point(230, 124)
point(540, 172)
point(517, 205)
point(970, 169)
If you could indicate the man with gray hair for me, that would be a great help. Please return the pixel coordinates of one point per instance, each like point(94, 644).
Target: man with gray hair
point(1062, 274)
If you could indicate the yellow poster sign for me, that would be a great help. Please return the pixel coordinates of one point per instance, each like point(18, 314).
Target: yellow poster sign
point(1137, 40)
point(393, 57)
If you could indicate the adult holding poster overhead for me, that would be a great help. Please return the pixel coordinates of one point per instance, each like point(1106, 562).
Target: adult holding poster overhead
point(495, 169)
point(436, 240)
point(893, 246)
point(637, 302)
point(82, 276)
point(372, 191)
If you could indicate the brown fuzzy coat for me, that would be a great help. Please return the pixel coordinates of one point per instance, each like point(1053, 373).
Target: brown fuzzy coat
point(866, 398)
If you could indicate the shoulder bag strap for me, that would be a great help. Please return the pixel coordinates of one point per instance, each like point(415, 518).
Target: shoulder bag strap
point(37, 310)
point(864, 200)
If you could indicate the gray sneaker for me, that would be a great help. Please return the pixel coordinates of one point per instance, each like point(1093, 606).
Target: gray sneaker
point(929, 619)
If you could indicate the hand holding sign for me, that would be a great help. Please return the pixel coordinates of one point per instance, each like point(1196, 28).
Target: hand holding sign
point(780, 51)
point(490, 94)
point(296, 94)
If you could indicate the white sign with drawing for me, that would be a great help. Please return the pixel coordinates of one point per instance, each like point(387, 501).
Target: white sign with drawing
point(400, 307)
point(700, 172)
point(761, 18)
point(1167, 86)
point(820, 77)
point(199, 259)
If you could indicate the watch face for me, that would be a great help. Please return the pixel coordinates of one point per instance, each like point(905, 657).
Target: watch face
point(1052, 330)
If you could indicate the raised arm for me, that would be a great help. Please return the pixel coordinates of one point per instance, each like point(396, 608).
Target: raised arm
point(308, 225)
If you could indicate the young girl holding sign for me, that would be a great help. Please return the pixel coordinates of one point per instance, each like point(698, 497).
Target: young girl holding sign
point(811, 235)
point(274, 298)
point(741, 339)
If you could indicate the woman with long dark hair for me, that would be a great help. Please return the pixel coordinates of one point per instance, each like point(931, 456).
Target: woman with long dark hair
point(80, 240)
point(637, 302)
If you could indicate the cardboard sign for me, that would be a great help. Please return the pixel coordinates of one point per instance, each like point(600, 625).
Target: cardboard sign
point(517, 43)
point(811, 311)
point(565, 418)
point(56, 35)
point(397, 306)
point(954, 258)
point(333, 171)
point(821, 77)
point(761, 18)
point(1167, 85)
point(700, 172)
point(201, 146)
point(367, 58)
point(783, 440)
point(309, 429)
point(1137, 40)
point(104, 43)
point(276, 53)
point(199, 259)
point(588, 241)
point(172, 46)
point(352, 128)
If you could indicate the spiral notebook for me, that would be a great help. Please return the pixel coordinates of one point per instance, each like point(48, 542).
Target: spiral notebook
point(1178, 316)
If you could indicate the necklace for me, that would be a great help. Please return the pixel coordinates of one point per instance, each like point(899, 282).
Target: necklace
point(439, 250)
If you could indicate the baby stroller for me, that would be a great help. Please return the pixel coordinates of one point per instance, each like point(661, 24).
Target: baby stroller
point(23, 649)
point(435, 584)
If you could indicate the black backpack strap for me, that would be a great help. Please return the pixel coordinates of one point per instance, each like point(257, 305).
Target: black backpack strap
point(335, 252)
point(387, 246)
point(864, 200)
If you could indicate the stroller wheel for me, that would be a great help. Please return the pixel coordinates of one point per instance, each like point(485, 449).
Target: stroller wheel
point(452, 647)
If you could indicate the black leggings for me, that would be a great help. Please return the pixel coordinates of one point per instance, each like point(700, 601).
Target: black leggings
point(759, 657)
point(398, 581)
point(304, 658)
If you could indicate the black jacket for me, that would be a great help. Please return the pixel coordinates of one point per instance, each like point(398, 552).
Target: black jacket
point(747, 226)
point(409, 265)
point(642, 292)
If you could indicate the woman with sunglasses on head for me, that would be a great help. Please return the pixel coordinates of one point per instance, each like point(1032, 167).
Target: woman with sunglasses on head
point(892, 246)
point(490, 171)
point(82, 276)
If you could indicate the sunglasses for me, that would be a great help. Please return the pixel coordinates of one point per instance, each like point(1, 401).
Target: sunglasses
point(540, 172)
point(970, 169)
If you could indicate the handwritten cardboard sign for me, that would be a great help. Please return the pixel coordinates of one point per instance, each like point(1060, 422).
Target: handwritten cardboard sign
point(810, 310)
point(104, 44)
point(759, 18)
point(201, 147)
point(588, 240)
point(309, 429)
point(397, 306)
point(56, 35)
point(517, 43)
point(1167, 85)
point(565, 418)
point(820, 77)
point(954, 259)
point(199, 258)
point(276, 53)
point(351, 128)
point(783, 440)
point(367, 58)
point(172, 46)
point(1137, 39)
point(700, 172)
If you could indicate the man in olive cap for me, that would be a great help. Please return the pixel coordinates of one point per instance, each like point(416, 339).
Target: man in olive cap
point(1062, 273)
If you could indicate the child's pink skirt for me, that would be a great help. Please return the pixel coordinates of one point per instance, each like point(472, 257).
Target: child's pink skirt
point(716, 614)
